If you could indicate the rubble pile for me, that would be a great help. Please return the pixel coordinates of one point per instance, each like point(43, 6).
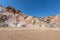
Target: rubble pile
point(10, 17)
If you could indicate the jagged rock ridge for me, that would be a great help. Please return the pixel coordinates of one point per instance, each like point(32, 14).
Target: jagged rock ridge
point(10, 17)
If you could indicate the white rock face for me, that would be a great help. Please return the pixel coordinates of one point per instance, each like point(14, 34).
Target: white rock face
point(20, 24)
point(10, 17)
point(1, 9)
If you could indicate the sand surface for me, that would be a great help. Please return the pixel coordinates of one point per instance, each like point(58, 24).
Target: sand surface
point(29, 34)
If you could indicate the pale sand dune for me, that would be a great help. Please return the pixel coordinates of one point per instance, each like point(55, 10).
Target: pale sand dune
point(29, 34)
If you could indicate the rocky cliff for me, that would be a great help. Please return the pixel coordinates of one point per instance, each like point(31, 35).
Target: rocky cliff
point(10, 17)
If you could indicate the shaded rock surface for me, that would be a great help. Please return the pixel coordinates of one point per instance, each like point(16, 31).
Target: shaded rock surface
point(10, 17)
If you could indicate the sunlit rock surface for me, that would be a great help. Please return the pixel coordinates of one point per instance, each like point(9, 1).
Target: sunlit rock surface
point(10, 17)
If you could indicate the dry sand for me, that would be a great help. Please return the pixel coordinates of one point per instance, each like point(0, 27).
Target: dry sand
point(29, 34)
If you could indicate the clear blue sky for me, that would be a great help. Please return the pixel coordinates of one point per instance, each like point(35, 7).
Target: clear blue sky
point(37, 8)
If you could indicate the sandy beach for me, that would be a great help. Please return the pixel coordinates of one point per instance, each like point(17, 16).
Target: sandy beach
point(29, 33)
